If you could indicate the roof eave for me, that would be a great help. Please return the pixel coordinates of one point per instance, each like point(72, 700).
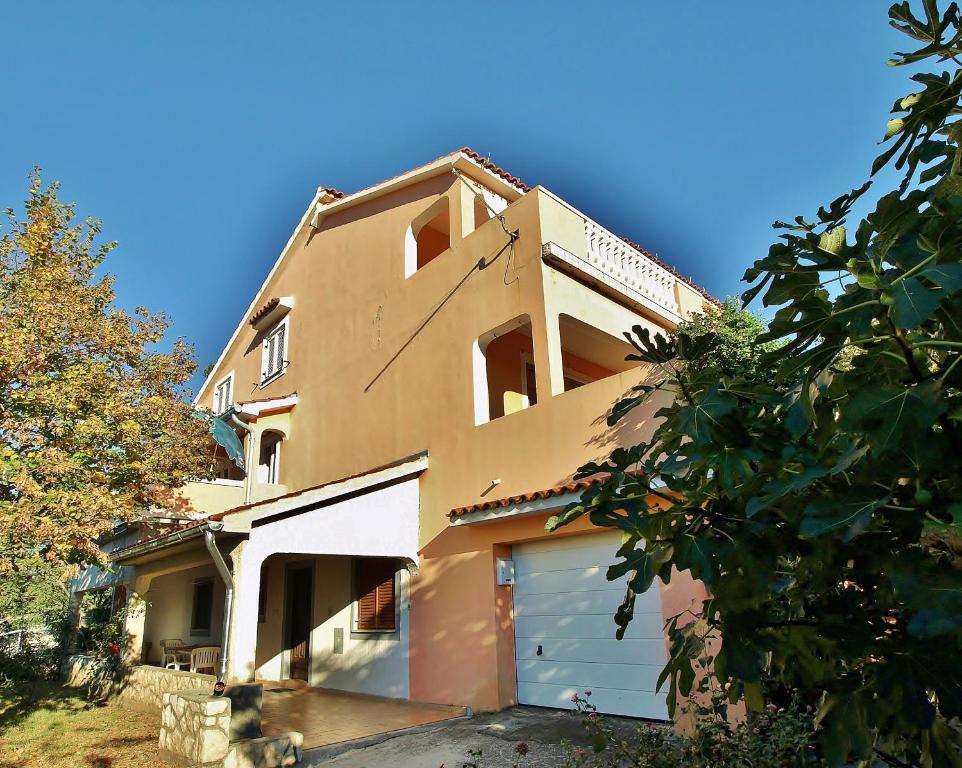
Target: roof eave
point(446, 164)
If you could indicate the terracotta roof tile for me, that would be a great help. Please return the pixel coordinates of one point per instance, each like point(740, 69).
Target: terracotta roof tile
point(495, 169)
point(268, 307)
point(572, 486)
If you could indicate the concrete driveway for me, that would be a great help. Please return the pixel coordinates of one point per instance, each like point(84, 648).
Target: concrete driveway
point(447, 744)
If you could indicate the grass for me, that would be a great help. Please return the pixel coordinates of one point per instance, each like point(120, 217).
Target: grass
point(56, 726)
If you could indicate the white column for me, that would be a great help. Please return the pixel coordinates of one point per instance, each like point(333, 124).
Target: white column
point(247, 562)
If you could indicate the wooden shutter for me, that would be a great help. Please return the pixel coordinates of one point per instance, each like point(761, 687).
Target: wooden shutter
point(281, 332)
point(376, 600)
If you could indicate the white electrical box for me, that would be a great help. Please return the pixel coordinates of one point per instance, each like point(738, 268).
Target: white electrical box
point(505, 571)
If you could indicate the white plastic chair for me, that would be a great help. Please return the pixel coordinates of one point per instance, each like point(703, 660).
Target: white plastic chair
point(204, 658)
point(173, 658)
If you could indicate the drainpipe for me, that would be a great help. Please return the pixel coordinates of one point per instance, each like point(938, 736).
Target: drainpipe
point(248, 458)
point(228, 578)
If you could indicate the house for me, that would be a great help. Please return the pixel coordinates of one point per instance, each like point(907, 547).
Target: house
point(411, 389)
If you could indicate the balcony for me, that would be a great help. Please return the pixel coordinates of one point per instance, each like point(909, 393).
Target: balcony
point(615, 267)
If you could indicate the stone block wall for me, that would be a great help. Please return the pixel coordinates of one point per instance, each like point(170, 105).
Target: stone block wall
point(195, 727)
point(140, 685)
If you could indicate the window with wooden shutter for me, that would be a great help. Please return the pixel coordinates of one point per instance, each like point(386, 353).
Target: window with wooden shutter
point(223, 397)
point(274, 357)
point(375, 595)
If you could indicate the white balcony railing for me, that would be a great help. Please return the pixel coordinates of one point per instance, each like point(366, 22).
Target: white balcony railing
point(631, 268)
point(614, 266)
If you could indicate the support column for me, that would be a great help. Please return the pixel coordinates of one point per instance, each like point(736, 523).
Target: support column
point(246, 564)
point(135, 622)
point(554, 376)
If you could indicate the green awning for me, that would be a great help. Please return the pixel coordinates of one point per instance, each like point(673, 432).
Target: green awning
point(227, 438)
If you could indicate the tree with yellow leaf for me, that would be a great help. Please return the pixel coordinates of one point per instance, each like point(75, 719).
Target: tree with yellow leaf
point(95, 424)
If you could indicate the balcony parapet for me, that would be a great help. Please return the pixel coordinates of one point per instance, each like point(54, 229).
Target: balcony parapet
point(619, 271)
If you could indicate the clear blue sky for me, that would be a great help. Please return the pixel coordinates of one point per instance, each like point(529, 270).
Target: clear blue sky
point(198, 131)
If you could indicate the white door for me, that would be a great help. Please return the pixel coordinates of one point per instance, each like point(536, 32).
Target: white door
point(564, 629)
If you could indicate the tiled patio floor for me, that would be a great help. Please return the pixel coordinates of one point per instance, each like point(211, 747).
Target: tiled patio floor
point(328, 717)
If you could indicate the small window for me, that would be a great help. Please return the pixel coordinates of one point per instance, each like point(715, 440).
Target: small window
point(268, 466)
point(223, 394)
point(203, 607)
point(375, 595)
point(274, 355)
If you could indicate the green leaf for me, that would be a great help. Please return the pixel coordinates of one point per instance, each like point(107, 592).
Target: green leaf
point(843, 516)
point(697, 419)
point(914, 302)
point(886, 412)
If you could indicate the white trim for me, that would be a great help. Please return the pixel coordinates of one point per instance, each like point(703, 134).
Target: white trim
point(516, 510)
point(256, 409)
point(479, 367)
point(267, 376)
point(435, 168)
point(259, 293)
point(240, 521)
point(217, 407)
point(316, 211)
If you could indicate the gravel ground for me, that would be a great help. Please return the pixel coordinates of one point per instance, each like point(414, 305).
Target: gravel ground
point(495, 735)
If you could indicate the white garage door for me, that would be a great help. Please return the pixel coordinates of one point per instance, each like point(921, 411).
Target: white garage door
point(565, 631)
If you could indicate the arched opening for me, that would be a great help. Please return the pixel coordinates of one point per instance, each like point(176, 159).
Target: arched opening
point(428, 237)
point(268, 463)
point(504, 371)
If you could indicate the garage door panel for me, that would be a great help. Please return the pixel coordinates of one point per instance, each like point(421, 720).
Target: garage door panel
point(609, 651)
point(644, 626)
point(564, 607)
point(602, 602)
point(571, 559)
point(588, 676)
point(611, 539)
point(553, 582)
point(622, 702)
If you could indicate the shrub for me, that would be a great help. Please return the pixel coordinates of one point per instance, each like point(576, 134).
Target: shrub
point(773, 738)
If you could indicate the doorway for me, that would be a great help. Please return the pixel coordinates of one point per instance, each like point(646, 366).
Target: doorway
point(297, 640)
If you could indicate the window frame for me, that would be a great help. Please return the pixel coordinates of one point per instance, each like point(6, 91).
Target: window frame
point(574, 375)
point(358, 633)
point(196, 630)
point(267, 376)
point(528, 359)
point(217, 404)
point(277, 458)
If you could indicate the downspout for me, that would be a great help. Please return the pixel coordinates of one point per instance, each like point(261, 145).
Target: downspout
point(228, 578)
point(248, 458)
